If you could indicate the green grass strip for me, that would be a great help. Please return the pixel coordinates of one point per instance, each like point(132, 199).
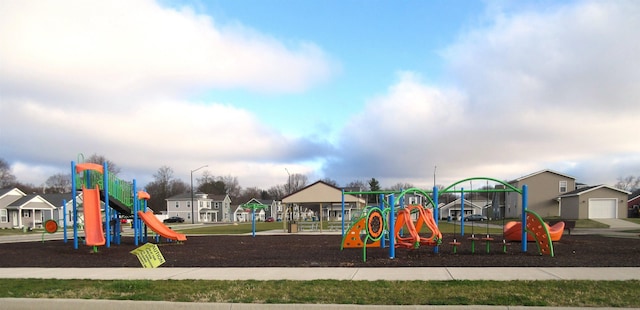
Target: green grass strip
point(503, 293)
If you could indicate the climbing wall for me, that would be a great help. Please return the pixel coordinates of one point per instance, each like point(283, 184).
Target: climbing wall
point(538, 229)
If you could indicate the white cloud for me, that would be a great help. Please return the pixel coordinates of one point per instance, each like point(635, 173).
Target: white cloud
point(116, 77)
point(116, 47)
point(534, 90)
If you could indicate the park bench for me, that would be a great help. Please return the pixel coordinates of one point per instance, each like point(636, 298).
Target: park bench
point(309, 226)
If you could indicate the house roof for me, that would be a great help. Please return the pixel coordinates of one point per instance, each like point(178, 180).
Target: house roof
point(56, 199)
point(635, 195)
point(540, 172)
point(26, 199)
point(587, 189)
point(4, 191)
point(332, 194)
point(187, 196)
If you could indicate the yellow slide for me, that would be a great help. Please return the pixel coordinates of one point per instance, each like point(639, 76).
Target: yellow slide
point(93, 230)
point(160, 228)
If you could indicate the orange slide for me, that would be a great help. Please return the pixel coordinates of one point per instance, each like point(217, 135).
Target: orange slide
point(160, 228)
point(93, 231)
point(414, 239)
point(513, 231)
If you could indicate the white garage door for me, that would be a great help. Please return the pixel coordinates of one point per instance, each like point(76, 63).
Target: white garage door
point(602, 208)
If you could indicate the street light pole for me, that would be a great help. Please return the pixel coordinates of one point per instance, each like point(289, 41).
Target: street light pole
point(192, 206)
point(289, 192)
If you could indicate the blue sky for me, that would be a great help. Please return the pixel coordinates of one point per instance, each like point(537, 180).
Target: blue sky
point(347, 90)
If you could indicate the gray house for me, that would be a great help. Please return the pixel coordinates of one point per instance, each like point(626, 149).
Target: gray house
point(18, 210)
point(208, 208)
point(544, 188)
point(594, 202)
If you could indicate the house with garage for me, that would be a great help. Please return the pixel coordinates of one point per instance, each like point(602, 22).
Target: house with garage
point(594, 202)
point(207, 208)
point(633, 204)
point(544, 189)
point(19, 210)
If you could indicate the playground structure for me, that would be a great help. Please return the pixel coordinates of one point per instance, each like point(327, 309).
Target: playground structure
point(106, 201)
point(373, 227)
point(513, 231)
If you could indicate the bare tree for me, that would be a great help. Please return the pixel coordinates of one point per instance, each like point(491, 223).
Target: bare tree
point(628, 183)
point(100, 159)
point(401, 186)
point(7, 179)
point(358, 185)
point(250, 193)
point(232, 186)
point(277, 192)
point(163, 187)
point(296, 182)
point(330, 181)
point(59, 183)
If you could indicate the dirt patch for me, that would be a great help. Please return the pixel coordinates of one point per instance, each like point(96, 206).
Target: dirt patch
point(324, 251)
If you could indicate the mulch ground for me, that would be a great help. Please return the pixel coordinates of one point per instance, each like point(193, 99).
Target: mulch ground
point(324, 251)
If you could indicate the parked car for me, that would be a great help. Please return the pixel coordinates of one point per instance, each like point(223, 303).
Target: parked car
point(174, 219)
point(475, 217)
point(269, 219)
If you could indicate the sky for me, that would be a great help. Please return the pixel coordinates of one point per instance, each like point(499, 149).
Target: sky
point(400, 91)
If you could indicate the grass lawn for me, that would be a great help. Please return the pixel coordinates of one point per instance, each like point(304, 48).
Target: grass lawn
point(504, 293)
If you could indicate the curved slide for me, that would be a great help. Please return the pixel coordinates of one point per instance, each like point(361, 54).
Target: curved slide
point(425, 217)
point(513, 231)
point(93, 231)
point(160, 228)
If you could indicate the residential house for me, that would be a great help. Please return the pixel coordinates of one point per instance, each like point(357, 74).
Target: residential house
point(208, 208)
point(18, 210)
point(544, 189)
point(633, 204)
point(453, 209)
point(594, 202)
point(260, 214)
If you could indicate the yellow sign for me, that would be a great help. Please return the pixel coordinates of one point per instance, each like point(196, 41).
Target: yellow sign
point(149, 255)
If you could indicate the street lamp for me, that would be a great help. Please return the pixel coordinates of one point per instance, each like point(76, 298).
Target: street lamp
point(289, 192)
point(192, 207)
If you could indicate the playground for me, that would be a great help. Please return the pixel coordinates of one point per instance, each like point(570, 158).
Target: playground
point(389, 234)
point(323, 250)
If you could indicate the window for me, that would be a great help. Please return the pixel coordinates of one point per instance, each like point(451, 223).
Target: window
point(177, 204)
point(216, 205)
point(188, 204)
point(563, 186)
point(3, 216)
point(26, 213)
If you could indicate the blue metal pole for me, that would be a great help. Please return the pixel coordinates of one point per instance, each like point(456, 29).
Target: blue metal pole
point(74, 195)
point(462, 211)
point(253, 221)
point(381, 206)
point(525, 194)
point(392, 234)
point(436, 213)
point(105, 181)
point(136, 207)
point(342, 217)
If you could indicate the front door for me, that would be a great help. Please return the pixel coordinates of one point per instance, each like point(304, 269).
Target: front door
point(14, 218)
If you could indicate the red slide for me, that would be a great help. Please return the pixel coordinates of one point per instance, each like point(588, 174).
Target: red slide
point(160, 228)
point(93, 231)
